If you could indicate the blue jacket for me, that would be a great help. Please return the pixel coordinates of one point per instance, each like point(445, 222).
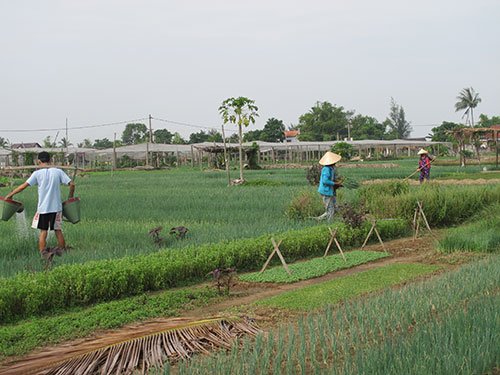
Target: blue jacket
point(327, 181)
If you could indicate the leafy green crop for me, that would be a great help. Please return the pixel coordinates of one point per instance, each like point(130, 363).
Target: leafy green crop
point(83, 284)
point(313, 268)
point(333, 291)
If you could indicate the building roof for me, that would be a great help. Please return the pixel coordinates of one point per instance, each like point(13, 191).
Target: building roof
point(291, 133)
point(25, 145)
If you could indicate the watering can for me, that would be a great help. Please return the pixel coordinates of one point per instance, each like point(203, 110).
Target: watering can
point(71, 207)
point(9, 207)
point(71, 210)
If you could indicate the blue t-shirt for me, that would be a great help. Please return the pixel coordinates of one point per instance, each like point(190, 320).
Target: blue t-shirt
point(49, 191)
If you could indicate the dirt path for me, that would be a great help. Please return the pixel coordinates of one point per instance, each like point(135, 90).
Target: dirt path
point(403, 251)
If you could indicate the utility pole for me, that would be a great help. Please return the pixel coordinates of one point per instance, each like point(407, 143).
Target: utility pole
point(226, 158)
point(114, 154)
point(150, 130)
point(349, 130)
point(67, 150)
point(147, 143)
point(150, 140)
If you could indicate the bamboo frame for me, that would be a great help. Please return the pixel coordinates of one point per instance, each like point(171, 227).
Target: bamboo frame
point(333, 238)
point(276, 250)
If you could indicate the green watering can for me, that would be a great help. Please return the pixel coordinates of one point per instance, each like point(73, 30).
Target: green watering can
point(71, 207)
point(9, 207)
point(71, 210)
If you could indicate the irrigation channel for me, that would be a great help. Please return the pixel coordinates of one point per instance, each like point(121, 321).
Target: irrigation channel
point(242, 298)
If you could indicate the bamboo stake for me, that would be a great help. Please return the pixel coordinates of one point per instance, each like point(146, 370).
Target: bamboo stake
point(276, 251)
point(373, 229)
point(333, 238)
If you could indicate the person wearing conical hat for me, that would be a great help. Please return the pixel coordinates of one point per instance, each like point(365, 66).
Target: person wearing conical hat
point(424, 166)
point(327, 184)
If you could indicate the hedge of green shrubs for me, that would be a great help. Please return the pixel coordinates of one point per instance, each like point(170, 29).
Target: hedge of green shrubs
point(82, 284)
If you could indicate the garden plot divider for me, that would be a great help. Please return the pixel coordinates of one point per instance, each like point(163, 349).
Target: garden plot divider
point(67, 286)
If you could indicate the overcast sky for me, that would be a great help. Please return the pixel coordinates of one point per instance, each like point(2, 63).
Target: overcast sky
point(104, 61)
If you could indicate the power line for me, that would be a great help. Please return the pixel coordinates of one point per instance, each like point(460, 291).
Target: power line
point(72, 128)
point(184, 124)
point(141, 119)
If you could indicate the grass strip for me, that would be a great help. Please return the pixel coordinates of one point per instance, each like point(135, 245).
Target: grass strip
point(343, 288)
point(27, 335)
point(313, 268)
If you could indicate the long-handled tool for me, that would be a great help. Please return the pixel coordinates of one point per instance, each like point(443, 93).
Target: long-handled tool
point(418, 170)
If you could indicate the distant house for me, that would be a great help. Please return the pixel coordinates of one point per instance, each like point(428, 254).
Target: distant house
point(291, 136)
point(25, 145)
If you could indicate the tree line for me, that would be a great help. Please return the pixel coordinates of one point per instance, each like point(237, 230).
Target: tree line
point(323, 122)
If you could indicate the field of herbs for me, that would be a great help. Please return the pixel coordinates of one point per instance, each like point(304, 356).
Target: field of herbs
point(446, 325)
point(119, 210)
point(106, 279)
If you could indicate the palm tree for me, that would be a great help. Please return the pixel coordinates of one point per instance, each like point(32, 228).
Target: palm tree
point(468, 99)
point(241, 111)
point(64, 143)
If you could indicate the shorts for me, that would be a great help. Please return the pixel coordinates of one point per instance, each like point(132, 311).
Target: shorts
point(51, 220)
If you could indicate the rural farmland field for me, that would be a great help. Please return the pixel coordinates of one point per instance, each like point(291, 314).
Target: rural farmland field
point(106, 280)
point(119, 210)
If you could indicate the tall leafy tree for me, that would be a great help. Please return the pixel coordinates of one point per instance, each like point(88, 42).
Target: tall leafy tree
point(198, 137)
point(486, 122)
point(467, 100)
point(178, 140)
point(241, 111)
point(3, 142)
point(163, 136)
point(366, 127)
point(101, 144)
point(252, 135)
point(396, 122)
point(214, 136)
point(233, 138)
point(274, 131)
point(134, 133)
point(441, 133)
point(324, 122)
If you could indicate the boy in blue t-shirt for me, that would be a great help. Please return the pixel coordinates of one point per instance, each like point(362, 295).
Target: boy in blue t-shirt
point(49, 209)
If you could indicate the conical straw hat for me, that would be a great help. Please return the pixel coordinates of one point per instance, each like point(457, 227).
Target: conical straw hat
point(422, 151)
point(330, 158)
